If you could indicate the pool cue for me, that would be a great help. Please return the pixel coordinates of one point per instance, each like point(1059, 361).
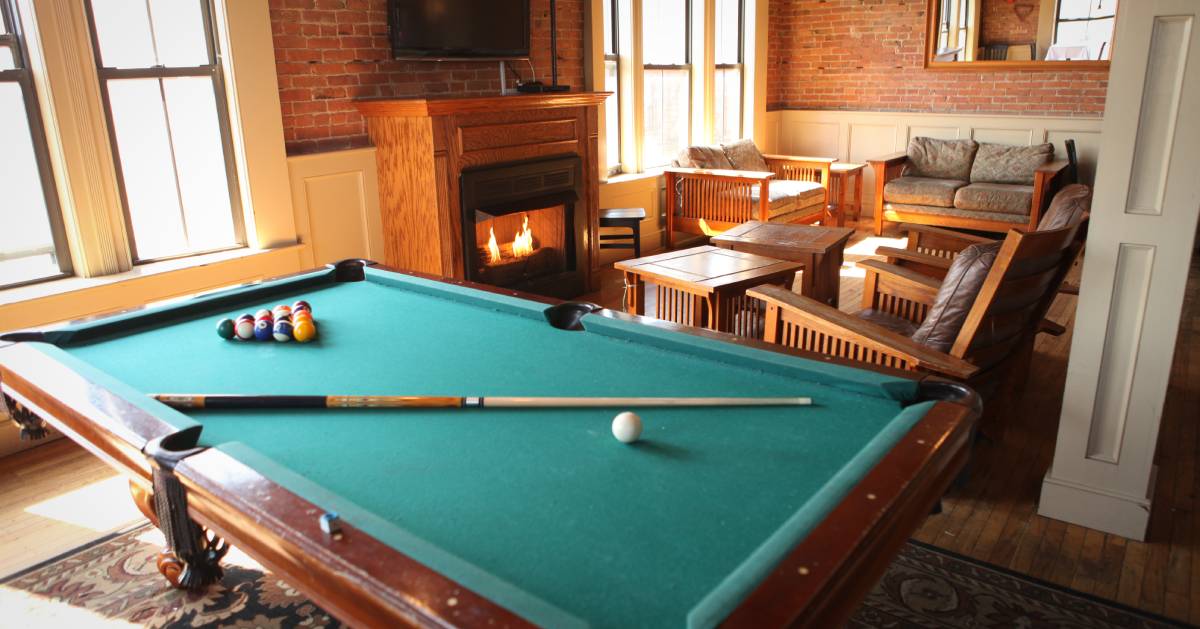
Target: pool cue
point(186, 401)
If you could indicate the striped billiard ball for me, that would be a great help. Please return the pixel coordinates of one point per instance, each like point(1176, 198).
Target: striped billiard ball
point(283, 330)
point(244, 329)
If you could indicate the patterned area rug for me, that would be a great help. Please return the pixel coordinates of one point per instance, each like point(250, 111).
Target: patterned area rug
point(114, 582)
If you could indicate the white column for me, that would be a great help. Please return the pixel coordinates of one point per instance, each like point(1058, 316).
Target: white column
point(1144, 215)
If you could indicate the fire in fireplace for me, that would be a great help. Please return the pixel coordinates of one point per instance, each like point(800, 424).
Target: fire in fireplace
point(522, 226)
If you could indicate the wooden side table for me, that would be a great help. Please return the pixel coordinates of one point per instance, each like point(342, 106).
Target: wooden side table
point(846, 179)
point(703, 286)
point(819, 249)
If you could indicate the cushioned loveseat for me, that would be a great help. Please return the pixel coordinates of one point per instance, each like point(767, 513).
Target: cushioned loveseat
point(966, 184)
point(713, 188)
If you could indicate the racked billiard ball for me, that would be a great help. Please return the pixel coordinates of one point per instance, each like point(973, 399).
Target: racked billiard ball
point(225, 328)
point(244, 329)
point(283, 330)
point(263, 329)
point(304, 330)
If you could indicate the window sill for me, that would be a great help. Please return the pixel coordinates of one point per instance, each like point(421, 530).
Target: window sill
point(73, 297)
point(653, 173)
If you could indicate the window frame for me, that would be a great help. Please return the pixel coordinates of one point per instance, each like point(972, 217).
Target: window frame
point(1059, 20)
point(215, 72)
point(617, 165)
point(13, 39)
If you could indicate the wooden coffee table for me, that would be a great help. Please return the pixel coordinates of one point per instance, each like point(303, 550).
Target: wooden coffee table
point(819, 249)
point(703, 286)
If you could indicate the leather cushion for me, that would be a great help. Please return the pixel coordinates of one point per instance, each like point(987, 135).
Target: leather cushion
point(1001, 163)
point(744, 155)
point(712, 157)
point(940, 159)
point(995, 197)
point(888, 321)
point(922, 191)
point(956, 296)
point(1067, 208)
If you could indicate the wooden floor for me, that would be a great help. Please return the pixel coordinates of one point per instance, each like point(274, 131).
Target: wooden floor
point(991, 518)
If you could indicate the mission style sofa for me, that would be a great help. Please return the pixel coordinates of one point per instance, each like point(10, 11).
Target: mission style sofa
point(711, 189)
point(966, 184)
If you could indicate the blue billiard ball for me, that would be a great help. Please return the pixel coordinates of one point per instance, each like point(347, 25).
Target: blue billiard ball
point(283, 331)
point(262, 330)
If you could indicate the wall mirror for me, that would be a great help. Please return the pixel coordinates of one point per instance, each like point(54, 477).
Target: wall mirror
point(1019, 34)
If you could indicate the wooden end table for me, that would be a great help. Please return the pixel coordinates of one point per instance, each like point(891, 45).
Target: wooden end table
point(703, 286)
point(819, 249)
point(846, 179)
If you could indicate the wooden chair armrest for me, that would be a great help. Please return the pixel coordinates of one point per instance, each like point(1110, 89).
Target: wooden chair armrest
point(889, 160)
point(855, 328)
point(917, 257)
point(740, 175)
point(902, 275)
point(799, 158)
point(943, 233)
point(1053, 168)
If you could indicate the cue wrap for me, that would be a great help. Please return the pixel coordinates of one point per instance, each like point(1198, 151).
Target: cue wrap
point(200, 554)
point(32, 426)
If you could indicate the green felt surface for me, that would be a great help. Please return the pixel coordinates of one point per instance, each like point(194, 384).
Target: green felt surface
point(542, 511)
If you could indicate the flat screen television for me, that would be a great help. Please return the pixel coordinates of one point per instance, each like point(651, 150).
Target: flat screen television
point(459, 29)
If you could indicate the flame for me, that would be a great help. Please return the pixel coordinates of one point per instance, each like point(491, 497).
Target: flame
point(493, 248)
point(523, 241)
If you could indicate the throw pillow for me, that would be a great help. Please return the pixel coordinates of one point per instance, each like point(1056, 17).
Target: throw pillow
point(744, 155)
point(704, 157)
point(940, 159)
point(1001, 163)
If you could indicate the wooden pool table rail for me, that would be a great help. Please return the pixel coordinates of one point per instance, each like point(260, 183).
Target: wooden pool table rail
point(365, 582)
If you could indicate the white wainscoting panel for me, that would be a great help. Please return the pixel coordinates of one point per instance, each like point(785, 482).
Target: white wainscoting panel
point(336, 198)
point(857, 136)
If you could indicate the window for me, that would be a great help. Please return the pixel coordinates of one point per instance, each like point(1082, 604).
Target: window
point(612, 83)
point(667, 80)
point(164, 97)
point(1086, 23)
point(727, 99)
point(678, 70)
point(32, 244)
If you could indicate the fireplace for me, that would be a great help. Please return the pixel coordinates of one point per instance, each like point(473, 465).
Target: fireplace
point(523, 226)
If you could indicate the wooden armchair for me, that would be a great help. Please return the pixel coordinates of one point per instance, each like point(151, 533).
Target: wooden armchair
point(708, 201)
point(931, 250)
point(1002, 319)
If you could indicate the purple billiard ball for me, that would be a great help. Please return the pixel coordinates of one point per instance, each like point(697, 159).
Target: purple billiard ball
point(263, 329)
point(301, 305)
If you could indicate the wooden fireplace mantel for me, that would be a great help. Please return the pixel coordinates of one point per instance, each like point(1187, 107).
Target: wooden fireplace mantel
point(424, 144)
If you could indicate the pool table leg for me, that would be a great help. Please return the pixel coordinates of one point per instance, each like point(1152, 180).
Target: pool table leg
point(168, 563)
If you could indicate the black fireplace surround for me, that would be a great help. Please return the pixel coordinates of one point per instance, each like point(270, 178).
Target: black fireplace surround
point(541, 186)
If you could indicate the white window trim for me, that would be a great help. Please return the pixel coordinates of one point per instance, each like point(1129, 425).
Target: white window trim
point(64, 70)
point(703, 76)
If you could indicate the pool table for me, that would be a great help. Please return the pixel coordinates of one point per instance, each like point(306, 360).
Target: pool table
point(737, 516)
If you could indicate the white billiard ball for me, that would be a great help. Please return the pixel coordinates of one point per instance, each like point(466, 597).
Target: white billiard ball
point(627, 427)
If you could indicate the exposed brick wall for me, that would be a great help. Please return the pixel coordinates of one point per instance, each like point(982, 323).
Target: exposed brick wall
point(330, 52)
point(1001, 22)
point(868, 55)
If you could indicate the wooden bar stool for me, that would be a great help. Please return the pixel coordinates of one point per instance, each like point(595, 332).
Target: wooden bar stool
point(630, 218)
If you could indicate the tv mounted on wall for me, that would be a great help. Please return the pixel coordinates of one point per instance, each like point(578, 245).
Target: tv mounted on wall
point(459, 29)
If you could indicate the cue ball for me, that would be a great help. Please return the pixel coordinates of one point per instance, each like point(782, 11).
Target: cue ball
point(627, 427)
